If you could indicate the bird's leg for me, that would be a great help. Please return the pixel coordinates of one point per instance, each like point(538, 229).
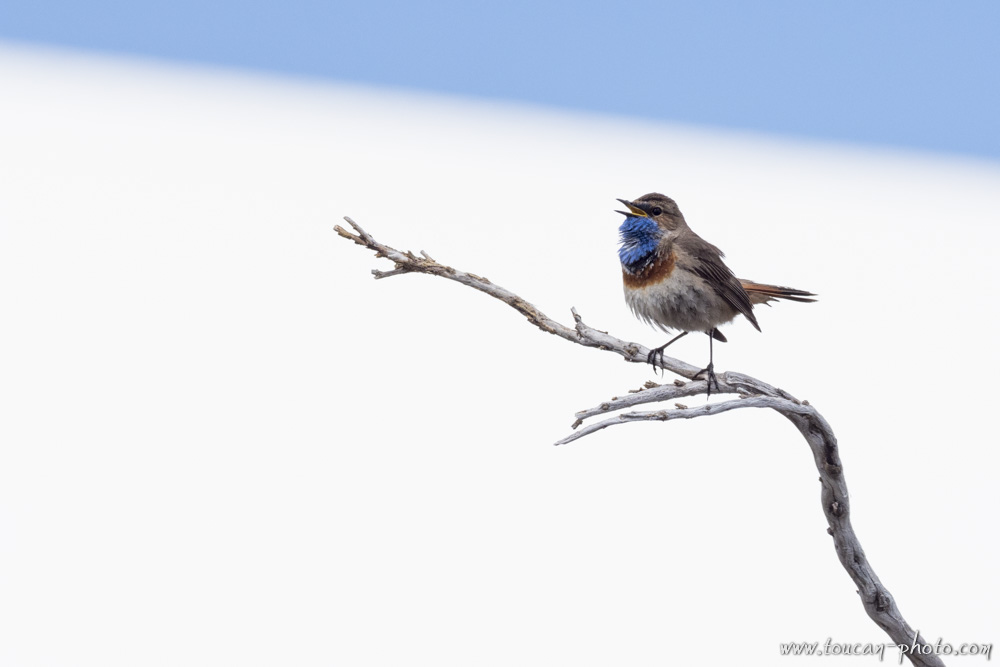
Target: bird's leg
point(711, 366)
point(658, 352)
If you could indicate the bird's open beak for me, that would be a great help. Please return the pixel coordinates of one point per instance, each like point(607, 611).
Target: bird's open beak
point(635, 211)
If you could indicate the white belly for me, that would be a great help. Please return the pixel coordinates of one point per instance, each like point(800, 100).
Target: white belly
point(681, 302)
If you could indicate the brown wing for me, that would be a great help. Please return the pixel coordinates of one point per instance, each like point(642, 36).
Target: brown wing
point(709, 265)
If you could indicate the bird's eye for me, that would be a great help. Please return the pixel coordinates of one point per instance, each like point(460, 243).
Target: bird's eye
point(656, 210)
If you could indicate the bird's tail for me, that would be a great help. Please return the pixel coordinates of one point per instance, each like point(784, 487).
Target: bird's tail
point(760, 293)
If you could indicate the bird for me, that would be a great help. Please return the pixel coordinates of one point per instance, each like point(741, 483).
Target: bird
point(676, 281)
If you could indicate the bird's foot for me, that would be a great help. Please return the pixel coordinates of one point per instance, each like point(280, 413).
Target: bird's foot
point(710, 376)
point(655, 358)
point(657, 354)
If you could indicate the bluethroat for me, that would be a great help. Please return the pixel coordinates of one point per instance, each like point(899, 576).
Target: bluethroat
point(676, 280)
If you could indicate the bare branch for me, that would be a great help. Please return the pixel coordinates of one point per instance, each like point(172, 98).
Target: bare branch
point(581, 333)
point(683, 412)
point(753, 393)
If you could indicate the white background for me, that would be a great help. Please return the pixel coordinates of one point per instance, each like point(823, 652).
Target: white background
point(222, 442)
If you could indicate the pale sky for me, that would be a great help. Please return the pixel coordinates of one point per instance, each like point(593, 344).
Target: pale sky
point(920, 76)
point(225, 443)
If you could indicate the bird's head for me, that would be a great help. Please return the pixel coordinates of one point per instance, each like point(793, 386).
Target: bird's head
point(651, 220)
point(656, 207)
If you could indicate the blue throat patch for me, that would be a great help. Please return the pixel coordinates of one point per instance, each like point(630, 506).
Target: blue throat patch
point(640, 238)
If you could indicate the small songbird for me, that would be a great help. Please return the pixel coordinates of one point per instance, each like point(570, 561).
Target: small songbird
point(676, 280)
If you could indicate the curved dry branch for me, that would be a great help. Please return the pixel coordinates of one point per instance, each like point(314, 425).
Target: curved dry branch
point(684, 412)
point(407, 262)
point(753, 393)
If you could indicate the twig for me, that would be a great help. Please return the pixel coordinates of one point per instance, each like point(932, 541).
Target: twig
point(581, 334)
point(753, 393)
